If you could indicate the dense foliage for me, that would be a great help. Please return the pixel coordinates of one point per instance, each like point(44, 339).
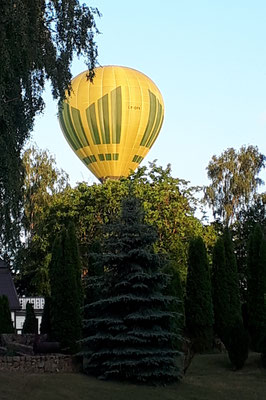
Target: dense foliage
point(31, 322)
point(37, 42)
point(42, 181)
point(6, 325)
point(168, 203)
point(226, 301)
point(128, 327)
point(198, 303)
point(225, 284)
point(257, 287)
point(66, 291)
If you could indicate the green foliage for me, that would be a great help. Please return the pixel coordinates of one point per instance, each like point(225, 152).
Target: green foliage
point(198, 302)
point(234, 177)
point(257, 287)
point(31, 322)
point(38, 40)
point(42, 181)
point(238, 345)
point(226, 298)
point(220, 296)
point(174, 288)
point(66, 293)
point(242, 229)
point(6, 324)
point(128, 328)
point(168, 204)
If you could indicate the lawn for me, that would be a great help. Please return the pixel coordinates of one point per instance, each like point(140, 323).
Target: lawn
point(209, 378)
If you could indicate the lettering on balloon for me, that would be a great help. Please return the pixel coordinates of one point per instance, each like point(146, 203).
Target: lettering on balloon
point(134, 107)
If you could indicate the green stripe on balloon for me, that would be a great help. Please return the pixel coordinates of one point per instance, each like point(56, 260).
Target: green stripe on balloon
point(92, 122)
point(103, 114)
point(157, 123)
point(70, 131)
point(116, 107)
point(79, 127)
point(150, 119)
point(158, 131)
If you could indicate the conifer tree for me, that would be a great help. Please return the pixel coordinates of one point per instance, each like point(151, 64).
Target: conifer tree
point(66, 293)
point(6, 325)
point(129, 335)
point(198, 303)
point(232, 279)
point(31, 322)
point(226, 300)
point(220, 294)
point(257, 287)
point(174, 288)
point(45, 327)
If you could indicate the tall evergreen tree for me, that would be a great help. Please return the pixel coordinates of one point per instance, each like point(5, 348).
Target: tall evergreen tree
point(226, 297)
point(198, 303)
point(6, 325)
point(45, 327)
point(31, 322)
point(66, 293)
point(129, 335)
point(220, 294)
point(257, 287)
point(226, 301)
point(232, 278)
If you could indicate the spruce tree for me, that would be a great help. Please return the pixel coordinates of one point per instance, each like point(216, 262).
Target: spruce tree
point(129, 335)
point(6, 325)
point(66, 293)
point(257, 287)
point(31, 322)
point(198, 303)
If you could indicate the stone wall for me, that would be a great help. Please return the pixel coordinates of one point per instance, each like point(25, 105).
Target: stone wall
point(40, 364)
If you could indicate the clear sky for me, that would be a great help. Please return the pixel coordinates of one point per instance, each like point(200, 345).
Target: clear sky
point(208, 58)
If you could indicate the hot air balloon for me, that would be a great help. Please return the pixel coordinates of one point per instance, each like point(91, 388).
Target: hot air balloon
point(112, 122)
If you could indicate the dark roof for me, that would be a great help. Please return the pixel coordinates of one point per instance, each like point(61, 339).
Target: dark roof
point(7, 286)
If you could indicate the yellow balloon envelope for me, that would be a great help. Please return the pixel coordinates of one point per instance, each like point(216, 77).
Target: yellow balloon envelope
point(112, 122)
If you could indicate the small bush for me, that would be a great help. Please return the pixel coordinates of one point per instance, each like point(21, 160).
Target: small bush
point(237, 347)
point(31, 322)
point(6, 325)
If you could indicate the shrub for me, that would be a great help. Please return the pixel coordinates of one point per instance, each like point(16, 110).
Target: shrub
point(31, 322)
point(6, 325)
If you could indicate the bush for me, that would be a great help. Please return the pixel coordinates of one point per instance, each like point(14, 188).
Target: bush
point(238, 342)
point(31, 322)
point(6, 325)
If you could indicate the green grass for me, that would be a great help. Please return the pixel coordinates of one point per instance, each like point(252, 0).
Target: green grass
point(209, 377)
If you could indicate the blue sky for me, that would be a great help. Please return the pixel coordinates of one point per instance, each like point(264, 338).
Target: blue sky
point(208, 59)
